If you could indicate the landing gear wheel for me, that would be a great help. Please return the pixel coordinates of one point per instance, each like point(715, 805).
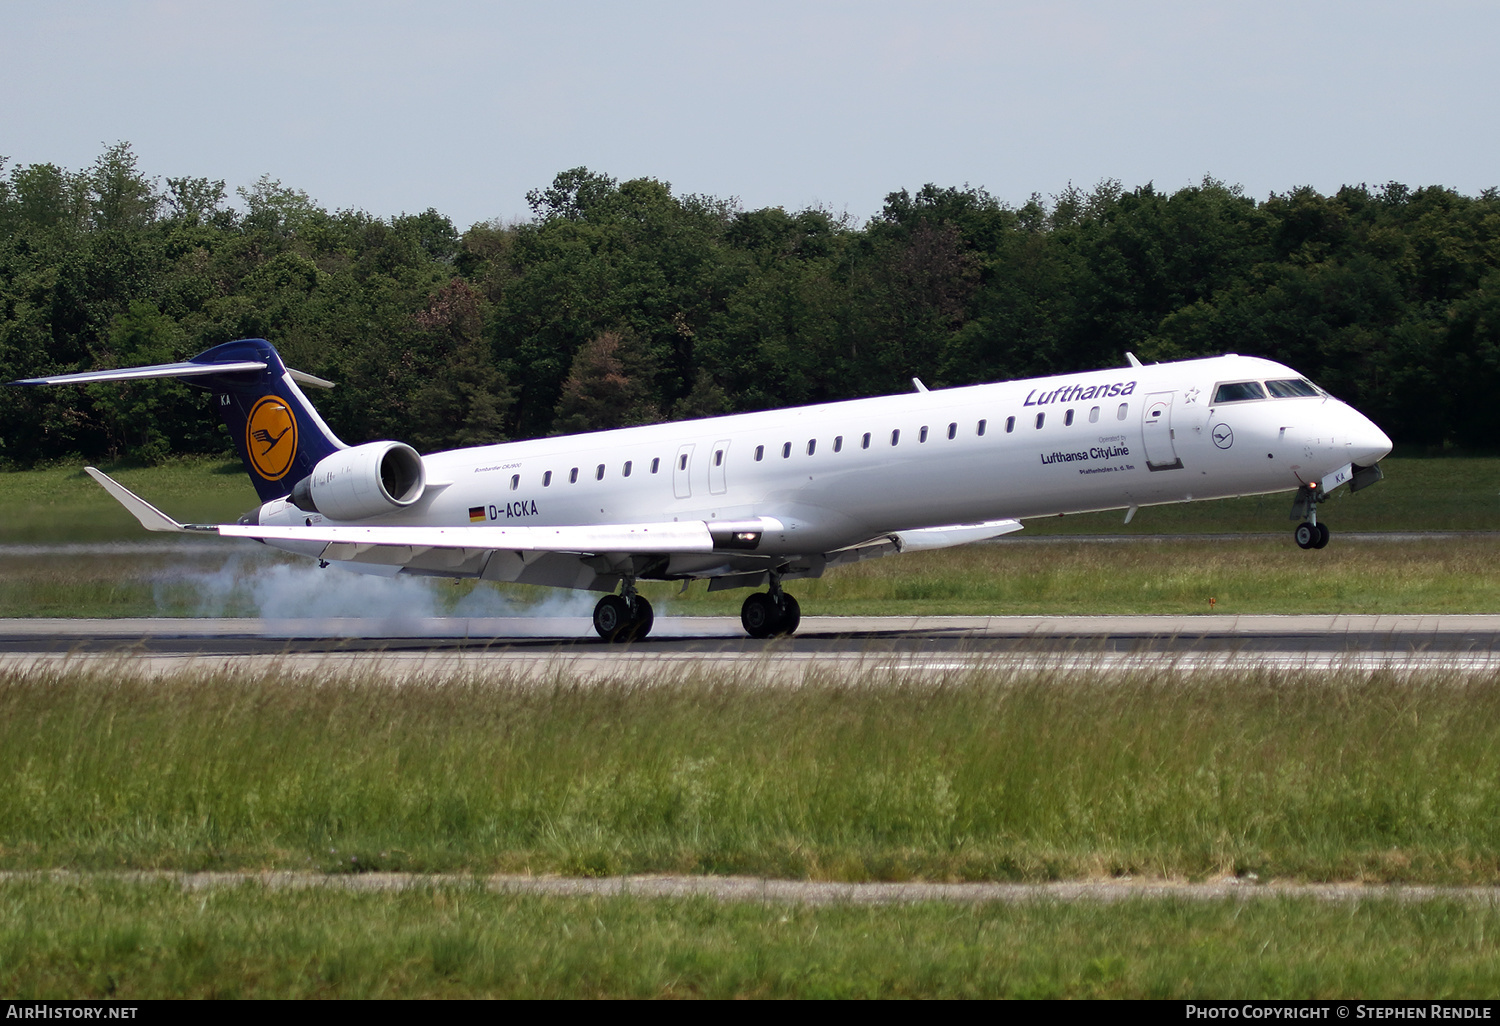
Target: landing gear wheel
point(1322, 539)
point(612, 618)
point(791, 615)
point(763, 617)
point(1307, 535)
point(644, 618)
point(758, 615)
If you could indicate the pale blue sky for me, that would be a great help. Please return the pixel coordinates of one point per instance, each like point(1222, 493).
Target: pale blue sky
point(394, 106)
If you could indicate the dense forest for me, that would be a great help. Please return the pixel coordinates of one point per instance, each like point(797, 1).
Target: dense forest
point(621, 303)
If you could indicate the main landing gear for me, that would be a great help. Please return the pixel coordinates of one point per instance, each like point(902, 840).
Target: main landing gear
point(771, 613)
point(1309, 534)
point(623, 617)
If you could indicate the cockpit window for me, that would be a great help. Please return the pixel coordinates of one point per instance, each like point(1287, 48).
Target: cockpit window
point(1238, 392)
point(1291, 388)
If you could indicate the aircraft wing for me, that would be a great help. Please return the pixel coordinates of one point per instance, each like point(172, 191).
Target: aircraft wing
point(151, 518)
point(397, 544)
point(347, 542)
point(922, 538)
point(952, 534)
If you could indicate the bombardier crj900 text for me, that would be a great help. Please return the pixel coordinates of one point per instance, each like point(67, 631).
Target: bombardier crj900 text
point(756, 499)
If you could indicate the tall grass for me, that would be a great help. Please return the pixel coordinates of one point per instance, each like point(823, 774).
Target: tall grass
point(993, 774)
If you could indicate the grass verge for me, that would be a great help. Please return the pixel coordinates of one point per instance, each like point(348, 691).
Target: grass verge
point(130, 941)
point(1024, 774)
point(1450, 575)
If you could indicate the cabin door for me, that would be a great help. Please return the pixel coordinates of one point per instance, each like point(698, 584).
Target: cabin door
point(716, 481)
point(1156, 433)
point(682, 468)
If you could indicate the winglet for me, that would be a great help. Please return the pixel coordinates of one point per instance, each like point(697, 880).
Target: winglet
point(1133, 361)
point(151, 518)
point(917, 384)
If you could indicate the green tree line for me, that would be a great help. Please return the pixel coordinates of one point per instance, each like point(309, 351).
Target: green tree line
point(621, 303)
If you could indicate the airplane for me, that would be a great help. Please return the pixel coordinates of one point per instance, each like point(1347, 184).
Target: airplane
point(758, 499)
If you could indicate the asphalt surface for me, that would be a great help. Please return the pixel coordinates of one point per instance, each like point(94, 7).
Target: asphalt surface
point(803, 892)
point(538, 645)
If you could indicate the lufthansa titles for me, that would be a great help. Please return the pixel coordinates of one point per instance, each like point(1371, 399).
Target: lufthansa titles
point(1078, 393)
point(1098, 452)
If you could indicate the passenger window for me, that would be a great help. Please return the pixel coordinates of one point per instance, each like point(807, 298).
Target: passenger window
point(626, 472)
point(682, 462)
point(980, 432)
point(599, 474)
point(655, 464)
point(838, 443)
point(786, 451)
point(718, 457)
point(952, 430)
point(1238, 392)
point(1068, 419)
point(866, 443)
point(895, 436)
point(1094, 415)
point(760, 452)
point(573, 476)
point(812, 444)
point(1124, 409)
point(1010, 424)
point(922, 435)
point(547, 479)
point(1292, 388)
point(515, 481)
point(1040, 417)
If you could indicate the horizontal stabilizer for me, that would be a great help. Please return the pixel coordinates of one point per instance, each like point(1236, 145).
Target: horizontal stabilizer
point(311, 380)
point(187, 369)
point(151, 518)
point(160, 370)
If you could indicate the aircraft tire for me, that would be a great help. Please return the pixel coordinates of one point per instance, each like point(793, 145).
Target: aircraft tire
point(612, 619)
point(791, 616)
point(1323, 534)
point(1306, 535)
point(644, 618)
point(758, 615)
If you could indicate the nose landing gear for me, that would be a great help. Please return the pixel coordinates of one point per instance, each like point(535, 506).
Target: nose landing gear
point(1309, 534)
point(624, 617)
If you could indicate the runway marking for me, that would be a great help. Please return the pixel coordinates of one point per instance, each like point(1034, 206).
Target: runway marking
point(808, 892)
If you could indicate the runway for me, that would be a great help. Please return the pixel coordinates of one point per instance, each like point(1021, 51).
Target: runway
point(543, 645)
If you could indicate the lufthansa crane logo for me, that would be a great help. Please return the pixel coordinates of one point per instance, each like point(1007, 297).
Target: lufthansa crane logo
point(1223, 436)
point(271, 437)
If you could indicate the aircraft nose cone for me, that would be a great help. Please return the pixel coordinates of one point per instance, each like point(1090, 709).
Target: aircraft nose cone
point(1367, 444)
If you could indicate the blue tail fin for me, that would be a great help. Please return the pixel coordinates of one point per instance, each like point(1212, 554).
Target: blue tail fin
point(276, 430)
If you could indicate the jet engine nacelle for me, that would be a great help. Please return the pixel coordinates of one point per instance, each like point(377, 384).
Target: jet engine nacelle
point(362, 481)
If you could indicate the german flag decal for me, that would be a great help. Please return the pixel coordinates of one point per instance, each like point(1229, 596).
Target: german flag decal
point(476, 514)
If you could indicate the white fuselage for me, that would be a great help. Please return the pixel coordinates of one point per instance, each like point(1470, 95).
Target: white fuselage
point(841, 473)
